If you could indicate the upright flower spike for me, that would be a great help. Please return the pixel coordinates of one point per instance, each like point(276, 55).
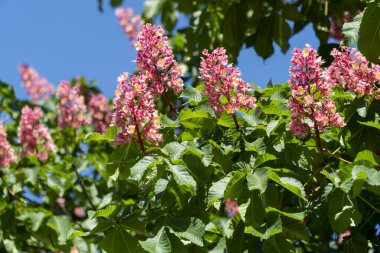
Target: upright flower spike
point(231, 207)
point(7, 156)
point(155, 60)
point(226, 90)
point(34, 137)
point(38, 87)
point(310, 103)
point(350, 69)
point(129, 23)
point(71, 107)
point(134, 111)
point(100, 112)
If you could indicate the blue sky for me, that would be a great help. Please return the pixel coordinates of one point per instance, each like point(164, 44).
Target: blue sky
point(64, 39)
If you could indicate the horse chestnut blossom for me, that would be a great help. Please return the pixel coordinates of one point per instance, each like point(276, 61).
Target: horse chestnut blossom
point(224, 83)
point(37, 86)
point(7, 156)
point(100, 112)
point(71, 107)
point(155, 60)
point(352, 70)
point(34, 137)
point(134, 111)
point(231, 207)
point(129, 23)
point(310, 103)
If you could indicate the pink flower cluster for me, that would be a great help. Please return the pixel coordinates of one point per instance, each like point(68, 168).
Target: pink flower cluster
point(129, 23)
point(352, 70)
point(7, 156)
point(135, 111)
point(224, 83)
point(134, 108)
point(155, 59)
point(231, 207)
point(310, 103)
point(34, 137)
point(100, 112)
point(71, 106)
point(37, 86)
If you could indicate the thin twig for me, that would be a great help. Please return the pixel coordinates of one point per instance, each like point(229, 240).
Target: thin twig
point(340, 158)
point(87, 196)
point(365, 201)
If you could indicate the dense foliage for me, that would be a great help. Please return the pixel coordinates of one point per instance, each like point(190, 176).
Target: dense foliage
point(213, 164)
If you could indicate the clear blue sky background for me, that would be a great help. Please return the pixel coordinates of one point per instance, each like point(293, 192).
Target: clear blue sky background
point(66, 38)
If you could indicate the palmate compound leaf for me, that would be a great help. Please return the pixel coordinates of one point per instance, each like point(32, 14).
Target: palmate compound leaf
point(119, 240)
point(342, 211)
point(159, 243)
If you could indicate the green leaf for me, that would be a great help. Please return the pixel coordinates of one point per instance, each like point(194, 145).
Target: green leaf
point(57, 184)
point(107, 212)
point(181, 175)
point(77, 233)
point(263, 159)
point(168, 122)
point(109, 136)
point(137, 171)
point(193, 119)
point(367, 155)
point(191, 94)
point(174, 150)
point(36, 218)
point(371, 124)
point(272, 126)
point(272, 227)
point(369, 40)
point(235, 185)
point(278, 244)
point(297, 215)
point(227, 120)
point(289, 183)
point(217, 189)
point(372, 175)
point(342, 211)
point(187, 114)
point(258, 180)
point(119, 240)
point(118, 163)
point(275, 110)
point(351, 30)
point(191, 229)
point(159, 243)
point(62, 225)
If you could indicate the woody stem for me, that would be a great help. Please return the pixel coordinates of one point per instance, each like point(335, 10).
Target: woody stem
point(140, 139)
point(169, 103)
point(236, 122)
